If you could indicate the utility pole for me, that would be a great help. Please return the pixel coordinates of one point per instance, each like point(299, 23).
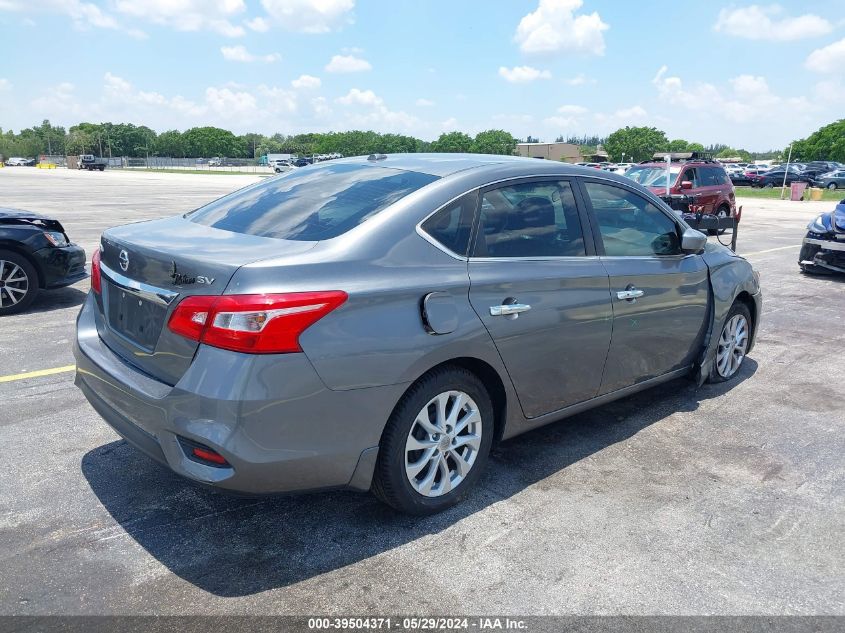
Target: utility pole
point(786, 173)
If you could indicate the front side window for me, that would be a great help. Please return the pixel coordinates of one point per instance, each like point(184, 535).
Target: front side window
point(629, 224)
point(311, 204)
point(532, 219)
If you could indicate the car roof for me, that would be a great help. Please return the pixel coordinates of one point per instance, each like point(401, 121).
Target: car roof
point(443, 165)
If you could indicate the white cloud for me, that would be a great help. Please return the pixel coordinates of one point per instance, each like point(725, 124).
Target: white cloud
point(744, 112)
point(258, 24)
point(580, 80)
point(347, 64)
point(424, 103)
point(756, 22)
point(83, 14)
point(635, 115)
point(554, 28)
point(241, 54)
point(523, 74)
point(187, 15)
point(5, 85)
point(829, 59)
point(449, 125)
point(366, 109)
point(572, 109)
point(321, 107)
point(306, 82)
point(310, 16)
point(360, 97)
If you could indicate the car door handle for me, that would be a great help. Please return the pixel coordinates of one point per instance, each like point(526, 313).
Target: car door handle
point(510, 308)
point(630, 294)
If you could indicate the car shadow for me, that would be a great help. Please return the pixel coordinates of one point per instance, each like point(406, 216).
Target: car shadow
point(232, 546)
point(49, 300)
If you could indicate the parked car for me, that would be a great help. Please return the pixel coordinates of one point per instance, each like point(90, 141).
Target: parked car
point(319, 329)
point(778, 178)
point(17, 161)
point(823, 248)
point(281, 165)
point(705, 181)
point(830, 180)
point(35, 254)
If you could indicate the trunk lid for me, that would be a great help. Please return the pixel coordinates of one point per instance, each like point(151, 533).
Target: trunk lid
point(148, 267)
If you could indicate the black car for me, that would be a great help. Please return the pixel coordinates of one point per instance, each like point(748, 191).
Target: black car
point(776, 178)
point(35, 254)
point(823, 249)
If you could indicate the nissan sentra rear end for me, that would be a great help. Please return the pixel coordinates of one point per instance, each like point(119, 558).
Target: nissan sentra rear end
point(196, 359)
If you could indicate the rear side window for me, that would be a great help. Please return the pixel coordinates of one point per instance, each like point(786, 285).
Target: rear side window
point(532, 219)
point(311, 204)
point(452, 225)
point(710, 177)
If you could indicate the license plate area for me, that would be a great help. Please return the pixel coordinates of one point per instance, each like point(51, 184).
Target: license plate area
point(135, 319)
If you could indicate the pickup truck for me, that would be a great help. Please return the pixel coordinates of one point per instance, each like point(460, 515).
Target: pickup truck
point(91, 162)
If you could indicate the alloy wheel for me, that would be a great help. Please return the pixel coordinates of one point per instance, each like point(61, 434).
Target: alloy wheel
point(733, 344)
point(14, 283)
point(443, 443)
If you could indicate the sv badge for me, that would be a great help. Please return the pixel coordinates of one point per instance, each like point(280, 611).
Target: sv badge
point(183, 279)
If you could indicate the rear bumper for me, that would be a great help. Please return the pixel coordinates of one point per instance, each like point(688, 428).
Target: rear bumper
point(278, 426)
point(61, 266)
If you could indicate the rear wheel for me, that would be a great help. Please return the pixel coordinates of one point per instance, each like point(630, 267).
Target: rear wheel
point(832, 186)
point(769, 185)
point(18, 283)
point(733, 343)
point(436, 443)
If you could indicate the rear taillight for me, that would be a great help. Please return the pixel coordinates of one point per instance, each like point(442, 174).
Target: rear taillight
point(256, 324)
point(96, 279)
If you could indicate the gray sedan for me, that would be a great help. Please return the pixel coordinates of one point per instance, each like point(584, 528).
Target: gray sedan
point(378, 323)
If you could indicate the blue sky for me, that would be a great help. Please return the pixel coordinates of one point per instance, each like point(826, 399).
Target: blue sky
point(749, 75)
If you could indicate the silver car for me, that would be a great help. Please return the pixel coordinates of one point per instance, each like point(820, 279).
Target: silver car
point(378, 323)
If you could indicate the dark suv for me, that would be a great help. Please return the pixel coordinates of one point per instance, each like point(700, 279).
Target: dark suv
point(703, 180)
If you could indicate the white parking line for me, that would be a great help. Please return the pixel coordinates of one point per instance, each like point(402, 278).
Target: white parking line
point(771, 250)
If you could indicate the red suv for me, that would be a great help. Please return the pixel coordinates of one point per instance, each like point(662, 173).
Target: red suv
point(705, 181)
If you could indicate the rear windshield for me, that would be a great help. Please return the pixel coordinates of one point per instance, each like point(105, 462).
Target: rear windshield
point(311, 204)
point(652, 176)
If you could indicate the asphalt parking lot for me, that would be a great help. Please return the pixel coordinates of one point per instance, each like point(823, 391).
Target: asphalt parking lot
point(728, 499)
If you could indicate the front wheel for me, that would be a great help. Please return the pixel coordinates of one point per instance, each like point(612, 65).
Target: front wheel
point(436, 443)
point(18, 283)
point(733, 343)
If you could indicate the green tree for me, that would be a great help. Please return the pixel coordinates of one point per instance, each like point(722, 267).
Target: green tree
point(170, 143)
point(637, 143)
point(452, 142)
point(494, 142)
point(695, 147)
point(679, 145)
point(826, 143)
point(211, 141)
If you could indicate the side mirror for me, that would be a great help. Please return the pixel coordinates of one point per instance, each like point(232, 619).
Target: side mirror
point(686, 184)
point(693, 242)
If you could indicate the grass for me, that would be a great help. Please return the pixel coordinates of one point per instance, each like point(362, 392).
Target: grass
point(775, 193)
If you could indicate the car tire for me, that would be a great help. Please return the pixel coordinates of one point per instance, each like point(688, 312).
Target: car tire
point(769, 185)
point(421, 481)
point(732, 347)
point(20, 293)
point(723, 212)
point(832, 186)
